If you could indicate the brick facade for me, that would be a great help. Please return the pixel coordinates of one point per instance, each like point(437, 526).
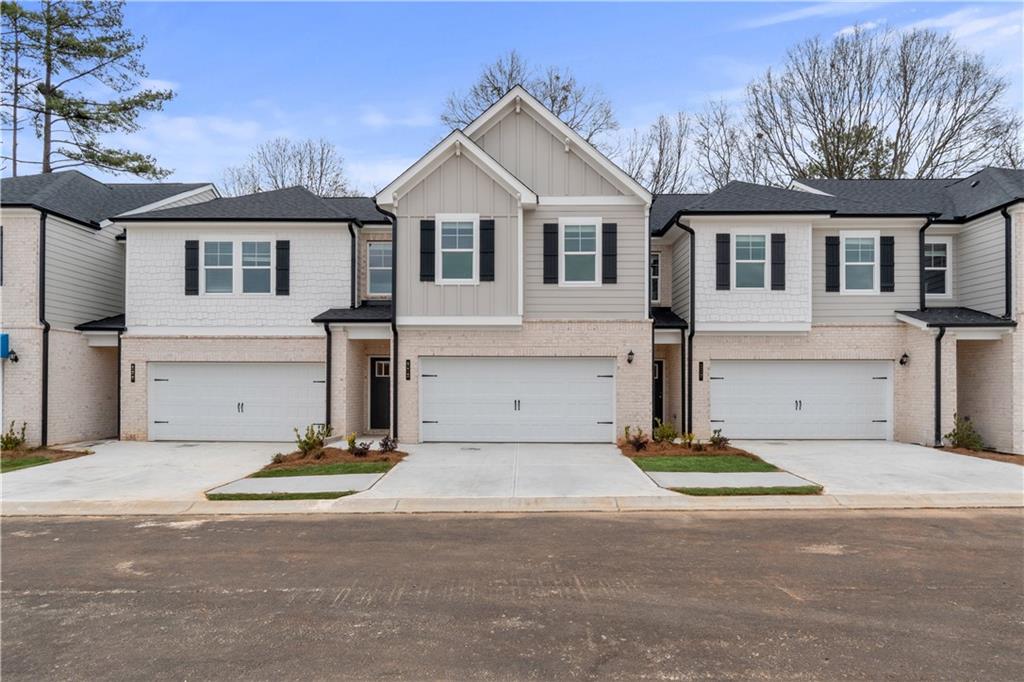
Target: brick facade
point(83, 389)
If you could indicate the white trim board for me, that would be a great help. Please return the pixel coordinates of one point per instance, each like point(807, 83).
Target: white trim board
point(312, 331)
point(459, 321)
point(704, 328)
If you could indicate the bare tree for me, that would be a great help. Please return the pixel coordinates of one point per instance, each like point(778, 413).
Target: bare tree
point(658, 158)
point(278, 163)
point(585, 109)
point(725, 149)
point(879, 104)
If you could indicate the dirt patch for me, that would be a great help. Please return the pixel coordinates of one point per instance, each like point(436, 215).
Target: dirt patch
point(672, 450)
point(297, 460)
point(50, 454)
point(987, 454)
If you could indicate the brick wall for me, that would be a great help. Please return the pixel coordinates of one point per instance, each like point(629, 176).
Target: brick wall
point(83, 389)
point(985, 389)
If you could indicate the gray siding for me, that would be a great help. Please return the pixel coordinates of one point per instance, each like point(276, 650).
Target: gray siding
point(838, 307)
point(458, 186)
point(528, 149)
point(84, 273)
point(979, 266)
point(681, 277)
point(194, 199)
point(623, 300)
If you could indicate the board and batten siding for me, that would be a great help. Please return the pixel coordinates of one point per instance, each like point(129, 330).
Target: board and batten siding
point(84, 273)
point(681, 277)
point(979, 265)
point(836, 307)
point(458, 186)
point(528, 149)
point(623, 300)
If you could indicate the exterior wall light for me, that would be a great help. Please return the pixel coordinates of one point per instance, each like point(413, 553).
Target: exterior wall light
point(629, 357)
point(904, 360)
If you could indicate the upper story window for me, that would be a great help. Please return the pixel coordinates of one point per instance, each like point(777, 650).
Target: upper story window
point(749, 255)
point(218, 267)
point(581, 251)
point(378, 268)
point(256, 267)
point(655, 277)
point(457, 250)
point(937, 266)
point(859, 270)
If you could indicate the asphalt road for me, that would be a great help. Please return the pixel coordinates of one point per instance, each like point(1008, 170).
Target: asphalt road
point(922, 595)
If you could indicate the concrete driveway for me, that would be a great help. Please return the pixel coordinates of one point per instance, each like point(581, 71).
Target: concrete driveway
point(465, 470)
point(877, 467)
point(129, 470)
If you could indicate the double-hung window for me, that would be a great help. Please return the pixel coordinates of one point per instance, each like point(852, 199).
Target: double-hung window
point(581, 251)
point(378, 267)
point(749, 260)
point(859, 269)
point(655, 277)
point(937, 255)
point(256, 267)
point(218, 267)
point(457, 252)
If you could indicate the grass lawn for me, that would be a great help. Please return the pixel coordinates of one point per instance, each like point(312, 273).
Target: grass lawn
point(697, 463)
point(712, 492)
point(228, 497)
point(21, 463)
point(327, 469)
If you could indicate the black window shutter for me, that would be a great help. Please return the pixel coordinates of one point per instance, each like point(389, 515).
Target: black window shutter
point(550, 253)
point(486, 250)
point(887, 274)
point(831, 263)
point(426, 250)
point(284, 260)
point(722, 261)
point(609, 253)
point(191, 267)
point(778, 262)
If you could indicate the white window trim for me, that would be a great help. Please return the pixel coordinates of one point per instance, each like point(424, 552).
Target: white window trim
point(440, 219)
point(369, 244)
point(767, 258)
point(598, 242)
point(948, 241)
point(656, 290)
point(236, 266)
point(872, 234)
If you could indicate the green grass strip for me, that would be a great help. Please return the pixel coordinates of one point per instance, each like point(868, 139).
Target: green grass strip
point(234, 497)
point(698, 463)
point(327, 469)
point(21, 463)
point(714, 492)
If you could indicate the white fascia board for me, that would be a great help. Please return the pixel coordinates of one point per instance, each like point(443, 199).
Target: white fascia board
point(668, 337)
point(801, 187)
point(912, 321)
point(204, 332)
point(753, 327)
point(363, 330)
point(980, 333)
point(563, 130)
point(104, 339)
point(455, 142)
point(460, 321)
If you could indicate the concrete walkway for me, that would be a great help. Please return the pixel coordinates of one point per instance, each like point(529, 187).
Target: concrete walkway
point(333, 483)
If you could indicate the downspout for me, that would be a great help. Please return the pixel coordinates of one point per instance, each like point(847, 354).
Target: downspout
point(938, 386)
point(352, 235)
point(920, 263)
point(687, 364)
point(327, 401)
point(1008, 267)
point(45, 360)
point(394, 312)
point(119, 332)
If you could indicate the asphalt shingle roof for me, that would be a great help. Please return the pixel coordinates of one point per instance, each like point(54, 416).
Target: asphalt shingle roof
point(360, 208)
point(956, 317)
point(369, 311)
point(291, 203)
point(664, 318)
point(76, 196)
point(114, 323)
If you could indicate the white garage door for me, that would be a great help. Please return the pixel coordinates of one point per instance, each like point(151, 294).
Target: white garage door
point(506, 400)
point(802, 399)
point(246, 401)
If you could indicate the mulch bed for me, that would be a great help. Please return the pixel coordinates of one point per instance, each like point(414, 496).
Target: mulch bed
point(52, 455)
point(297, 460)
point(987, 454)
point(672, 450)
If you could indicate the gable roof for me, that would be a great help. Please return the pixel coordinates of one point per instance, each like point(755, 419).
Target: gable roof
point(456, 142)
point(520, 95)
point(77, 197)
point(289, 204)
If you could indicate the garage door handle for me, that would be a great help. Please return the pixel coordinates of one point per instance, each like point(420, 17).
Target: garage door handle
point(428, 375)
point(159, 422)
point(161, 379)
point(425, 421)
point(605, 376)
point(605, 422)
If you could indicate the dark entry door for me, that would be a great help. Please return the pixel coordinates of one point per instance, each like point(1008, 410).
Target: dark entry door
point(659, 390)
point(380, 393)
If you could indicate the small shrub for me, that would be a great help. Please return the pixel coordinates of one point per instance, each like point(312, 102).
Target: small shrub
point(11, 440)
point(313, 439)
point(278, 459)
point(687, 439)
point(361, 449)
point(717, 440)
point(387, 444)
point(698, 445)
point(664, 433)
point(637, 440)
point(350, 439)
point(964, 434)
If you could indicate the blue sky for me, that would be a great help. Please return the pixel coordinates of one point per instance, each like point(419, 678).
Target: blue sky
point(372, 78)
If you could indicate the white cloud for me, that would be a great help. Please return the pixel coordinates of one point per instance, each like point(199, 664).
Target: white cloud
point(372, 174)
point(865, 25)
point(970, 21)
point(377, 119)
point(825, 9)
point(158, 84)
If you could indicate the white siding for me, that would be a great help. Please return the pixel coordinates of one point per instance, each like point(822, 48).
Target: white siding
point(84, 273)
point(205, 195)
point(979, 268)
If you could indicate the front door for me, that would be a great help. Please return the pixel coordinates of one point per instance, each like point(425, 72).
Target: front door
point(380, 393)
point(659, 391)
